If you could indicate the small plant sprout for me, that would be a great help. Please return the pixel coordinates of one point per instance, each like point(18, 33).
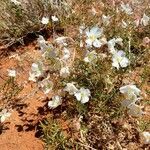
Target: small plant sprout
point(135, 110)
point(4, 114)
point(145, 20)
point(93, 36)
point(146, 137)
point(106, 20)
point(36, 71)
point(126, 8)
point(45, 20)
point(70, 87)
point(46, 85)
point(91, 57)
point(16, 2)
point(64, 72)
point(11, 73)
point(120, 60)
point(56, 101)
point(83, 95)
point(54, 19)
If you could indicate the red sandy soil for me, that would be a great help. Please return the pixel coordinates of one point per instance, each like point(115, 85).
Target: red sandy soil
point(25, 116)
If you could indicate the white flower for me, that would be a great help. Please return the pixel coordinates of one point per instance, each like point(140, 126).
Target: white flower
point(36, 71)
point(92, 37)
point(111, 44)
point(42, 43)
point(120, 60)
point(16, 2)
point(45, 20)
point(64, 72)
point(11, 73)
point(106, 20)
point(46, 85)
point(56, 101)
point(83, 95)
point(145, 20)
point(130, 91)
point(70, 88)
point(126, 8)
point(135, 110)
point(91, 57)
point(4, 114)
point(66, 53)
point(54, 18)
point(146, 137)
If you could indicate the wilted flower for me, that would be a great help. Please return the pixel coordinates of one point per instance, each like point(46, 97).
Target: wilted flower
point(42, 43)
point(54, 18)
point(106, 20)
point(70, 87)
point(56, 101)
point(93, 35)
point(120, 60)
point(145, 20)
point(4, 114)
point(91, 57)
point(62, 40)
point(45, 20)
point(64, 72)
point(146, 137)
point(16, 2)
point(36, 71)
point(46, 85)
point(135, 110)
point(66, 53)
point(126, 8)
point(130, 91)
point(83, 95)
point(11, 73)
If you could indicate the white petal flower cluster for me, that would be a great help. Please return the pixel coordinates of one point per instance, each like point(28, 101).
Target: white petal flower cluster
point(131, 93)
point(81, 95)
point(45, 20)
point(36, 71)
point(93, 36)
point(120, 60)
point(56, 101)
point(11, 73)
point(4, 114)
point(126, 8)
